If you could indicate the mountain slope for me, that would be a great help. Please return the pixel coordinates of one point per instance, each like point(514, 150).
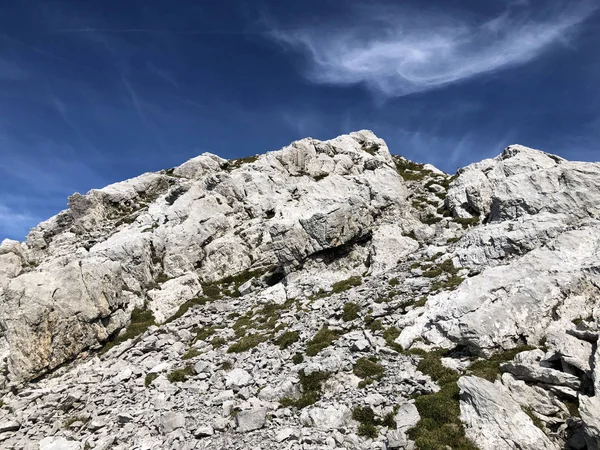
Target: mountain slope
point(325, 286)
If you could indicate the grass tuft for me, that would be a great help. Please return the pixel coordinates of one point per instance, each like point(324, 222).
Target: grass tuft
point(286, 339)
point(140, 321)
point(350, 312)
point(246, 343)
point(180, 375)
point(323, 339)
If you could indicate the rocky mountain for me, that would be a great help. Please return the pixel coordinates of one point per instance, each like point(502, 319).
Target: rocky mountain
point(325, 295)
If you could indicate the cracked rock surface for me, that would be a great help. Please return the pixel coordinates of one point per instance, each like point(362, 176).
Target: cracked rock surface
point(325, 295)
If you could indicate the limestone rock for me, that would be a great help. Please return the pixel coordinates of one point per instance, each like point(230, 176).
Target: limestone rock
point(329, 418)
point(493, 420)
point(250, 420)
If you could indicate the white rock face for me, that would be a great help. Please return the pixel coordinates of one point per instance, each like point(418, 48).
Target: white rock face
point(267, 296)
point(494, 420)
point(330, 418)
point(206, 220)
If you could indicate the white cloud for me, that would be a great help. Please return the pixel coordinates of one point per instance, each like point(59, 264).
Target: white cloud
point(13, 223)
point(397, 51)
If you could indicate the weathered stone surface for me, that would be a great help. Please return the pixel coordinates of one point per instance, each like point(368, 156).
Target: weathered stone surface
point(530, 372)
point(329, 418)
point(250, 420)
point(59, 443)
point(494, 420)
point(336, 240)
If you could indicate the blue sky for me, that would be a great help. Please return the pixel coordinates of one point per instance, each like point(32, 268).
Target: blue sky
point(93, 92)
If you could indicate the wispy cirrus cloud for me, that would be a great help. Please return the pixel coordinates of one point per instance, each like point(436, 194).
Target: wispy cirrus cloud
point(399, 50)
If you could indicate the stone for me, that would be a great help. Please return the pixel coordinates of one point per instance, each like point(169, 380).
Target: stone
point(204, 431)
point(170, 421)
point(494, 420)
point(9, 425)
point(250, 420)
point(59, 443)
point(286, 434)
point(530, 372)
point(329, 418)
point(237, 378)
point(396, 440)
point(407, 417)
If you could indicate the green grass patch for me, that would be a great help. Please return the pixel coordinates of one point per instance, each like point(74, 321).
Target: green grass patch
point(350, 312)
point(440, 425)
point(323, 339)
point(191, 353)
point(489, 368)
point(286, 339)
point(311, 385)
point(150, 378)
point(218, 342)
point(346, 284)
point(368, 368)
point(180, 375)
point(202, 334)
point(368, 421)
point(394, 282)
point(410, 171)
point(246, 343)
point(468, 221)
point(141, 320)
point(390, 335)
point(233, 164)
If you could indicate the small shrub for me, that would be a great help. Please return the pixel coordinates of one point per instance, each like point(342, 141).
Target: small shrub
point(180, 375)
point(350, 312)
point(311, 389)
point(390, 335)
point(440, 425)
point(366, 382)
point(433, 273)
point(368, 421)
point(218, 342)
point(162, 278)
point(323, 339)
point(394, 282)
point(226, 365)
point(368, 368)
point(186, 306)
point(286, 339)
point(202, 334)
point(150, 378)
point(140, 321)
point(374, 325)
point(191, 353)
point(298, 358)
point(420, 303)
point(467, 222)
point(246, 343)
point(344, 285)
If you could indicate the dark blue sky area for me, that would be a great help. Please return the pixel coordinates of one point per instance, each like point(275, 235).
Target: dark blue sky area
point(93, 92)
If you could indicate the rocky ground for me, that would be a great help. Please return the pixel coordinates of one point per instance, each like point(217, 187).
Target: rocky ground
point(326, 295)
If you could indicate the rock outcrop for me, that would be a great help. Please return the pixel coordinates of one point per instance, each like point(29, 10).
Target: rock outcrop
point(324, 295)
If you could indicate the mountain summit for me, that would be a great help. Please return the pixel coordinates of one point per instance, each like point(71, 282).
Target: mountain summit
point(325, 295)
